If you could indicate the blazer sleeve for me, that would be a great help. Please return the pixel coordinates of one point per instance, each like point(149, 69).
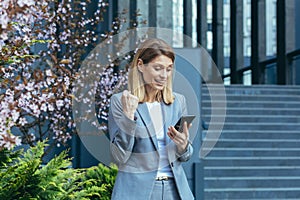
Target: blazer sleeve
point(187, 154)
point(189, 150)
point(121, 131)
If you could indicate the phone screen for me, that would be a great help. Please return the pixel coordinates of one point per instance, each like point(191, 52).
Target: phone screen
point(185, 118)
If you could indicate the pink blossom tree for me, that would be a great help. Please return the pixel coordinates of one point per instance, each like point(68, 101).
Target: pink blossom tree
point(36, 85)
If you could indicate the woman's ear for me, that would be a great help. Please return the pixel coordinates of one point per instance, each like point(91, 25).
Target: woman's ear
point(140, 65)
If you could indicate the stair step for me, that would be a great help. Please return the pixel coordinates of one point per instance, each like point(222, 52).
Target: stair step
point(252, 104)
point(253, 178)
point(253, 111)
point(251, 87)
point(257, 154)
point(259, 126)
point(258, 135)
point(253, 97)
point(254, 118)
point(253, 193)
point(254, 182)
point(239, 143)
point(260, 166)
point(253, 152)
point(235, 163)
point(251, 90)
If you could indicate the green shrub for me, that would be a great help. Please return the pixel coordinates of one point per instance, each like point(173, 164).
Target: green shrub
point(22, 176)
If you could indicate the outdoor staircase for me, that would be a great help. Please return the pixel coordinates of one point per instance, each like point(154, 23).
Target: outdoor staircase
point(257, 155)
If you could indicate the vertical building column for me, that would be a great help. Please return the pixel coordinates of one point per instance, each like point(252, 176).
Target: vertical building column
point(218, 37)
point(187, 22)
point(290, 39)
point(112, 10)
point(152, 19)
point(236, 41)
point(281, 43)
point(132, 10)
point(258, 40)
point(202, 23)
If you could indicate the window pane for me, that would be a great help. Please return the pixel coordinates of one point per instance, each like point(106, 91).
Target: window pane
point(271, 27)
point(178, 23)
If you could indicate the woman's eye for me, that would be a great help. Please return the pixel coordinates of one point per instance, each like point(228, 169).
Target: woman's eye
point(157, 68)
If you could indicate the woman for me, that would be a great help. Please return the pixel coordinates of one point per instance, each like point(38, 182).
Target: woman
point(148, 149)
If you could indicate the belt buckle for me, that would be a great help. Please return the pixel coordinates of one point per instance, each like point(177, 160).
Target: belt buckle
point(162, 178)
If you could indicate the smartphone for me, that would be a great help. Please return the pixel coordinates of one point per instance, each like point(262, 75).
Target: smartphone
point(185, 118)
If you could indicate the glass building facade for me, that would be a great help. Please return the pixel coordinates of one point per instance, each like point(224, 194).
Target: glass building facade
point(243, 36)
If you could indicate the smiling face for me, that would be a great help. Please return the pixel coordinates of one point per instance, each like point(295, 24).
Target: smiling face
point(156, 73)
point(150, 73)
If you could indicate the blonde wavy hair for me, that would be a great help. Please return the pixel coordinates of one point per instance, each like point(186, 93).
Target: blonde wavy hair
point(147, 51)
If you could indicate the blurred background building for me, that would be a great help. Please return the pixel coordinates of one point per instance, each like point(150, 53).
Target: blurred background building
point(244, 37)
point(255, 45)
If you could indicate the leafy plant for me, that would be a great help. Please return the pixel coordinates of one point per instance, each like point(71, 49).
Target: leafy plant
point(23, 176)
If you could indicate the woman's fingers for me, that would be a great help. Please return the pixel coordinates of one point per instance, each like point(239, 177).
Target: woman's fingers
point(129, 103)
point(186, 128)
point(176, 136)
point(180, 139)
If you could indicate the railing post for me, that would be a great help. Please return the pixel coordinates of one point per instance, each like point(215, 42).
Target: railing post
point(258, 40)
point(187, 22)
point(202, 23)
point(281, 43)
point(199, 180)
point(236, 41)
point(218, 38)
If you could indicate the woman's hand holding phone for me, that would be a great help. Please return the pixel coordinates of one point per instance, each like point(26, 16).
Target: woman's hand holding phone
point(181, 136)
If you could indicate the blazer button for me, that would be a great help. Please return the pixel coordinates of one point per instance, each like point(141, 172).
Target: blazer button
point(172, 165)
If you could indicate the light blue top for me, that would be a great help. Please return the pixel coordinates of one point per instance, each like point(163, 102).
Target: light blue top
point(164, 169)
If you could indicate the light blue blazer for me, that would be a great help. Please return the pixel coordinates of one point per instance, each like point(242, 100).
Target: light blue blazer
point(134, 148)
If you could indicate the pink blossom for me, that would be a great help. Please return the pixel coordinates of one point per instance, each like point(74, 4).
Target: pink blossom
point(22, 3)
point(50, 107)
point(46, 94)
point(15, 115)
point(22, 121)
point(44, 107)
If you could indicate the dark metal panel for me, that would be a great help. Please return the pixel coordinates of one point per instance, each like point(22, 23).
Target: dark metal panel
point(113, 10)
point(236, 41)
point(199, 180)
point(258, 40)
point(132, 10)
point(202, 23)
point(152, 13)
point(256, 70)
point(281, 43)
point(187, 22)
point(290, 9)
point(218, 37)
point(152, 18)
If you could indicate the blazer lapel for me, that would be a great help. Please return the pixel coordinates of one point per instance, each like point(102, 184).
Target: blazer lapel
point(146, 119)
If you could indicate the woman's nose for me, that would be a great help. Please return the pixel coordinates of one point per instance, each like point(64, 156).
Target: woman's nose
point(164, 73)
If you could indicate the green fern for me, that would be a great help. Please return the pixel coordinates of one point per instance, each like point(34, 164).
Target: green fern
point(24, 177)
